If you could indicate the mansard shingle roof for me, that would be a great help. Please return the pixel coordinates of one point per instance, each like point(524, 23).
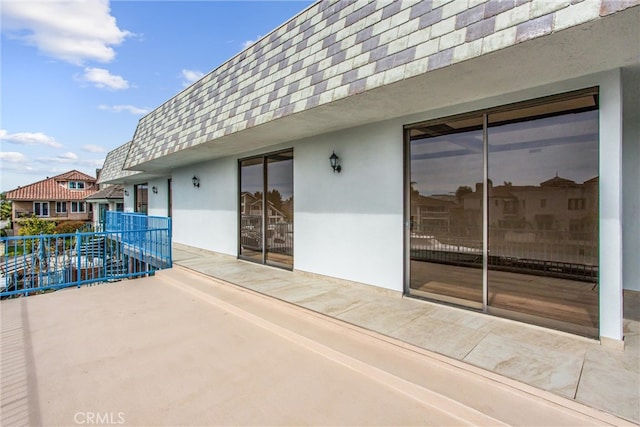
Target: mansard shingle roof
point(114, 164)
point(111, 192)
point(338, 48)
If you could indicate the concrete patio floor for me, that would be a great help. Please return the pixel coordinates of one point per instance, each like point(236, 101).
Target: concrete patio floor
point(567, 365)
point(184, 348)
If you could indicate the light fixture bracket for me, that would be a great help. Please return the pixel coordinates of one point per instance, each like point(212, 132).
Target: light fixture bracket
point(333, 160)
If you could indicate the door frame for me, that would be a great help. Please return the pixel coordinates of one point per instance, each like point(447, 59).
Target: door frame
point(485, 305)
point(264, 220)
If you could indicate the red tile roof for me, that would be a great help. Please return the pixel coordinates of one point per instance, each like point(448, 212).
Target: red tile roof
point(55, 188)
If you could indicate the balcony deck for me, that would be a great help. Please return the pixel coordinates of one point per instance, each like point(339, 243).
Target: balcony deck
point(291, 348)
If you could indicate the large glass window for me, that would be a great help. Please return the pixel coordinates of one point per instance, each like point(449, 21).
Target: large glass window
point(532, 169)
point(266, 209)
point(141, 202)
point(543, 261)
point(251, 201)
point(445, 214)
point(279, 213)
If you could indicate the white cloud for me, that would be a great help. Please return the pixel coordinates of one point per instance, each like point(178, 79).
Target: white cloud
point(18, 170)
point(12, 157)
point(29, 138)
point(191, 76)
point(103, 79)
point(248, 43)
point(119, 108)
point(68, 156)
point(91, 148)
point(71, 161)
point(69, 30)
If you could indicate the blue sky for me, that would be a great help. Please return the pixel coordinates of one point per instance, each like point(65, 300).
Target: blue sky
point(76, 76)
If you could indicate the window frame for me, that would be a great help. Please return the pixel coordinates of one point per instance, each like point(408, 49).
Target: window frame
point(76, 185)
point(77, 205)
point(39, 211)
point(512, 113)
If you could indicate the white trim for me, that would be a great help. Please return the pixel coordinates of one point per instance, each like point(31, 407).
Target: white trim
point(40, 209)
point(78, 204)
point(611, 319)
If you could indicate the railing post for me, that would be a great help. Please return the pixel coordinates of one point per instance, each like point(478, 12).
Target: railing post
point(79, 259)
point(41, 256)
point(40, 262)
point(170, 237)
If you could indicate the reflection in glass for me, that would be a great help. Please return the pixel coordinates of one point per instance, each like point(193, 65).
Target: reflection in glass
point(279, 234)
point(266, 235)
point(251, 191)
point(543, 216)
point(141, 195)
point(541, 231)
point(446, 217)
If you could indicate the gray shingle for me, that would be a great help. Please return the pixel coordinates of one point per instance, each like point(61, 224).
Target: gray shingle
point(278, 76)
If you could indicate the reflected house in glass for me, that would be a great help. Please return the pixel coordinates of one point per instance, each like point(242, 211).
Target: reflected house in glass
point(279, 226)
point(490, 154)
point(251, 206)
point(558, 210)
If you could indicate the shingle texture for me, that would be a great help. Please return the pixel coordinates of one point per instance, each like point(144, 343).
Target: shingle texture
point(55, 188)
point(339, 48)
point(111, 192)
point(113, 167)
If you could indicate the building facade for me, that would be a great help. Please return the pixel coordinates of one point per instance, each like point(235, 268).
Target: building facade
point(488, 150)
point(110, 198)
point(59, 198)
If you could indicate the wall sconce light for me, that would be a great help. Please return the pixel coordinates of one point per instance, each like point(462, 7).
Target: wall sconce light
point(334, 162)
point(126, 192)
point(196, 181)
point(154, 189)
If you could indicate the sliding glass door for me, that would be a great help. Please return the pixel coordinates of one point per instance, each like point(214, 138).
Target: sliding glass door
point(141, 198)
point(503, 211)
point(446, 225)
point(251, 201)
point(279, 209)
point(266, 209)
point(543, 214)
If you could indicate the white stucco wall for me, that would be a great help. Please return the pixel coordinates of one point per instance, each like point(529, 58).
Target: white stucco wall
point(610, 268)
point(206, 217)
point(128, 200)
point(350, 224)
point(631, 178)
point(158, 203)
point(347, 225)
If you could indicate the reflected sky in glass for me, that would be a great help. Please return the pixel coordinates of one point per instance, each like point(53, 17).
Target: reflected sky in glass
point(523, 153)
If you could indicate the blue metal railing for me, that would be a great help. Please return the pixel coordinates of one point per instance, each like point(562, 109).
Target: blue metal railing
point(131, 246)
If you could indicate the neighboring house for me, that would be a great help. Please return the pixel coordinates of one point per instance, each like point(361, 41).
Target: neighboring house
point(110, 198)
point(59, 198)
point(419, 100)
